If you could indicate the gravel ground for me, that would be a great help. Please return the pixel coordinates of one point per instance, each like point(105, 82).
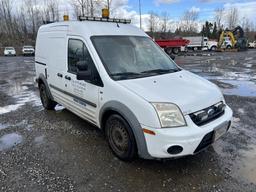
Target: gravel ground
point(57, 151)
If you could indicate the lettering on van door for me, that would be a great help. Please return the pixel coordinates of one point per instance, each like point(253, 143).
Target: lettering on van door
point(78, 87)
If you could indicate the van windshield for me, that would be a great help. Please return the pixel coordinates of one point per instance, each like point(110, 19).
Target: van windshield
point(128, 57)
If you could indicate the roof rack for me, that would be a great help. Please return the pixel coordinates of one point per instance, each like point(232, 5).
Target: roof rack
point(86, 18)
point(48, 22)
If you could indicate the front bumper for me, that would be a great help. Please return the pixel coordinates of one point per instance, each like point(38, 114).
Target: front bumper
point(28, 53)
point(191, 138)
point(10, 54)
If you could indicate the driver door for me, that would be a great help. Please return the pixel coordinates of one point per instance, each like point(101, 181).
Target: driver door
point(83, 95)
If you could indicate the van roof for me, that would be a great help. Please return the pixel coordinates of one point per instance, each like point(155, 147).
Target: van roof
point(93, 28)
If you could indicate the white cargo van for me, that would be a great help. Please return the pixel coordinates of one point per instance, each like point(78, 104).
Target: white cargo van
point(113, 75)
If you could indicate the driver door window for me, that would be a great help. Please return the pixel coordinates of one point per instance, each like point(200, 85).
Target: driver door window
point(77, 52)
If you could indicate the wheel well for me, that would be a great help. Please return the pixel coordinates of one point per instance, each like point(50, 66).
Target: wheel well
point(105, 116)
point(40, 81)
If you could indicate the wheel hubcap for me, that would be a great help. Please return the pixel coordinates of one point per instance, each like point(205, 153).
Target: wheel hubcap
point(118, 137)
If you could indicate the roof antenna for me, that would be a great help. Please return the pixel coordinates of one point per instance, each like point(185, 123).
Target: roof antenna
point(117, 25)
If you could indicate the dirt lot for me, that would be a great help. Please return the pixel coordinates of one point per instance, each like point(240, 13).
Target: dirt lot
point(57, 151)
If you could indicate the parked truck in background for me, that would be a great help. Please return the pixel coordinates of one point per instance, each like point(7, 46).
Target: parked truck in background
point(197, 43)
point(28, 50)
point(201, 43)
point(173, 45)
point(252, 44)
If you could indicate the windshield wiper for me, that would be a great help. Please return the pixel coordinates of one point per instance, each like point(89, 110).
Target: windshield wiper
point(161, 71)
point(125, 75)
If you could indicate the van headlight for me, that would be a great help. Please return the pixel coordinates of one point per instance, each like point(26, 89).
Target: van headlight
point(169, 115)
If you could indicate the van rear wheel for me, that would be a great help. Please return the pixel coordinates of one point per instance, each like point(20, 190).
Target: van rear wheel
point(45, 99)
point(120, 138)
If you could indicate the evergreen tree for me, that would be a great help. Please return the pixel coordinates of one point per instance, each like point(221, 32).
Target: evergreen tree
point(207, 29)
point(203, 31)
point(214, 32)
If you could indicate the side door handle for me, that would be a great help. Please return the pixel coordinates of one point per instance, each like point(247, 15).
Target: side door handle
point(67, 77)
point(59, 75)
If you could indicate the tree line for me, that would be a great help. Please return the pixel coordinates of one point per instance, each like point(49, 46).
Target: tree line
point(160, 25)
point(20, 20)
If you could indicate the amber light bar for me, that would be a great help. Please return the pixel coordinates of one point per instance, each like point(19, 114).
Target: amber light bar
point(86, 18)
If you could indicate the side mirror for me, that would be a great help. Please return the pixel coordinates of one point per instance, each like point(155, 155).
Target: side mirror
point(82, 66)
point(84, 75)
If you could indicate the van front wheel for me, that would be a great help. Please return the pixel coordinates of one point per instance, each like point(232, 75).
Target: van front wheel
point(120, 138)
point(45, 99)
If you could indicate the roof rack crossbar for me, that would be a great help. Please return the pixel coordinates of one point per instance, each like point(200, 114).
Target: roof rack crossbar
point(87, 18)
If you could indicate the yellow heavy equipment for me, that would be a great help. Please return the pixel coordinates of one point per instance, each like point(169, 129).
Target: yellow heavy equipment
point(232, 40)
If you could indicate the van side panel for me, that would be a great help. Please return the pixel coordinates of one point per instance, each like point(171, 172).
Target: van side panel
point(51, 55)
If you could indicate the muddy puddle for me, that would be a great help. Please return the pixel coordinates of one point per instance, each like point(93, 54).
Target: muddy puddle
point(233, 76)
point(247, 165)
point(10, 140)
point(3, 126)
point(22, 94)
point(236, 87)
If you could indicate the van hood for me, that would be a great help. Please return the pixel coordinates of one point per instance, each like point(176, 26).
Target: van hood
point(187, 90)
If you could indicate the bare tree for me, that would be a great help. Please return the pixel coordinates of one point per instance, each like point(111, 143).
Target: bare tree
point(153, 22)
point(246, 25)
point(86, 7)
point(189, 20)
point(232, 17)
point(80, 7)
point(164, 22)
point(7, 17)
point(219, 13)
point(22, 17)
point(53, 9)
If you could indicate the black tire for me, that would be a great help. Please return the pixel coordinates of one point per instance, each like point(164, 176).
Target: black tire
point(175, 50)
point(45, 99)
point(168, 50)
point(120, 138)
point(213, 48)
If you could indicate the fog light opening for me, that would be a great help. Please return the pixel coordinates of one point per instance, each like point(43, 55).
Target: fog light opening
point(175, 149)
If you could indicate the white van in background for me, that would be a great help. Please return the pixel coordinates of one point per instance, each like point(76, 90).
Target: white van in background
point(113, 75)
point(9, 51)
point(28, 50)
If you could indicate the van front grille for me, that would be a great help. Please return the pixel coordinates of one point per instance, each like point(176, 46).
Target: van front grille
point(208, 114)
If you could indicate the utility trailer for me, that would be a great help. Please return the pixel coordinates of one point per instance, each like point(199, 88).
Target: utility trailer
point(173, 45)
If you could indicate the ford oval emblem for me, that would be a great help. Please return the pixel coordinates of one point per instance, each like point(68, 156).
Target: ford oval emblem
point(210, 112)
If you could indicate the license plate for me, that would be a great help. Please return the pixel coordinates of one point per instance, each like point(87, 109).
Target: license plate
point(221, 130)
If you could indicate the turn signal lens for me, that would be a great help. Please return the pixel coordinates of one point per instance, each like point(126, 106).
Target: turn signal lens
point(149, 132)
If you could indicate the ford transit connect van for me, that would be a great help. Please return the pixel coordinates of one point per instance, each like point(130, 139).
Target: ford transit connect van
point(113, 75)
